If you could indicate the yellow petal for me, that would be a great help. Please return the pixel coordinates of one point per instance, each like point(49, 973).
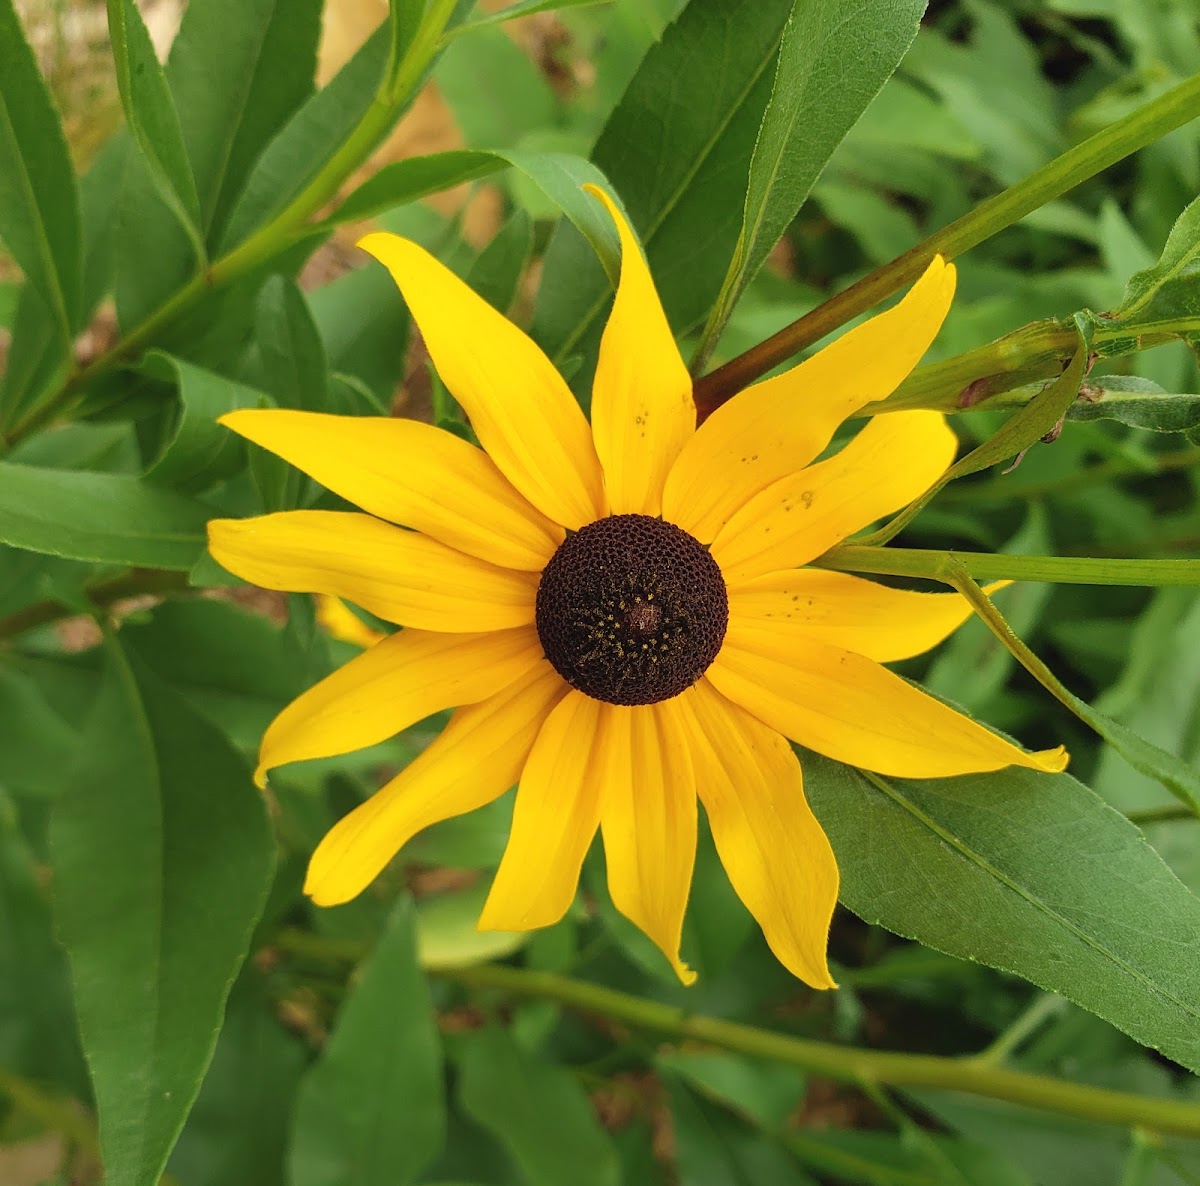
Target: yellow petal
point(340, 621)
point(649, 823)
point(852, 710)
point(894, 460)
point(642, 409)
point(477, 758)
point(401, 576)
point(409, 473)
point(554, 819)
point(520, 407)
point(870, 619)
point(774, 850)
point(393, 685)
point(778, 426)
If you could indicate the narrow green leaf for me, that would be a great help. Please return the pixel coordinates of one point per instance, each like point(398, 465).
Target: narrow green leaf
point(238, 70)
point(834, 58)
point(521, 8)
point(39, 199)
point(108, 518)
point(1041, 416)
point(291, 360)
point(371, 1112)
point(162, 859)
point(152, 116)
point(447, 934)
point(199, 451)
point(537, 1111)
point(974, 866)
point(677, 149)
point(1139, 403)
point(404, 18)
point(559, 175)
point(1171, 288)
point(313, 134)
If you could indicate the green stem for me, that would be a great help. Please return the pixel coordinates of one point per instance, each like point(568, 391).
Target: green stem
point(1141, 127)
point(984, 566)
point(848, 1064)
point(1036, 352)
point(102, 594)
point(1044, 1007)
point(283, 231)
point(1160, 815)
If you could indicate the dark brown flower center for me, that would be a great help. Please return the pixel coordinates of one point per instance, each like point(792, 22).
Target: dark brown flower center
point(631, 610)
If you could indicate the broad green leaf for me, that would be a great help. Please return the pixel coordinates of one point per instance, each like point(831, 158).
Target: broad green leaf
point(236, 1134)
point(231, 665)
point(559, 175)
point(39, 200)
point(974, 866)
point(38, 1037)
point(536, 1110)
point(834, 57)
point(1139, 403)
point(108, 518)
point(39, 357)
point(36, 743)
point(290, 357)
point(768, 1093)
point(712, 1148)
point(162, 859)
point(364, 326)
point(447, 934)
point(677, 150)
point(496, 93)
point(198, 451)
point(238, 69)
point(371, 1112)
point(1171, 288)
point(152, 116)
point(307, 141)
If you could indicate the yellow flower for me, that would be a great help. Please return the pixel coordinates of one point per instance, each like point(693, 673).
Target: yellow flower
point(621, 612)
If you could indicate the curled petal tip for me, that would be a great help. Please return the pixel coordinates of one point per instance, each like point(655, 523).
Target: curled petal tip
point(1053, 761)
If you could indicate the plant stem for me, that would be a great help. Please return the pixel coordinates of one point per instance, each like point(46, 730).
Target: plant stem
point(1044, 1006)
point(984, 566)
point(845, 1063)
point(1148, 123)
point(287, 228)
point(102, 594)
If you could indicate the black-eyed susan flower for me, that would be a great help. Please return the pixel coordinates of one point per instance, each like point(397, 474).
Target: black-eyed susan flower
point(620, 612)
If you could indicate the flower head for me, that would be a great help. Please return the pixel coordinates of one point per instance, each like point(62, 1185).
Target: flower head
point(620, 612)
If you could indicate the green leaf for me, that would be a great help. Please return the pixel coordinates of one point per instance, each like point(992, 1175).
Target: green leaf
point(521, 8)
point(447, 934)
point(238, 70)
point(1139, 403)
point(39, 199)
point(1024, 428)
point(236, 1134)
point(107, 518)
point(198, 451)
point(371, 1112)
point(974, 866)
point(152, 116)
point(1171, 288)
point(404, 18)
point(677, 149)
point(834, 58)
point(162, 859)
point(536, 1110)
point(312, 135)
point(559, 175)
